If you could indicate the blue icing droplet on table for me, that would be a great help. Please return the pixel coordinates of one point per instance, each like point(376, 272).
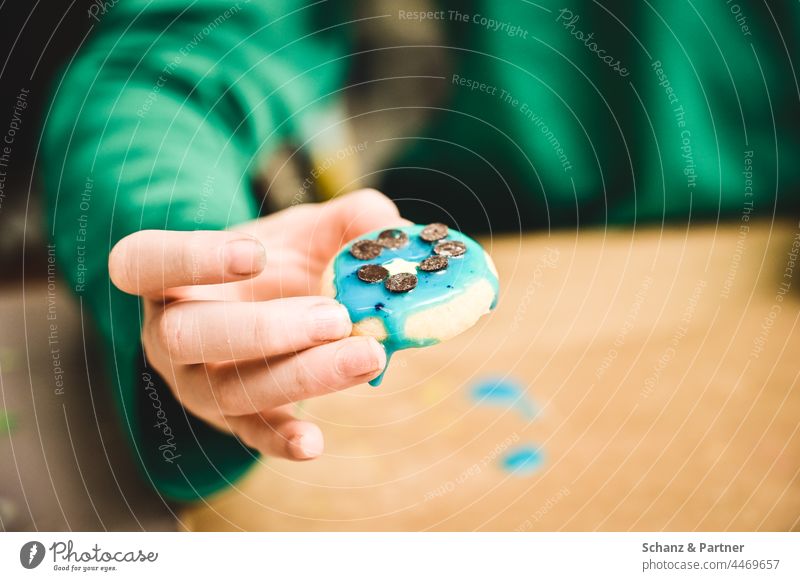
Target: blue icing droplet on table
point(364, 300)
point(523, 460)
point(504, 391)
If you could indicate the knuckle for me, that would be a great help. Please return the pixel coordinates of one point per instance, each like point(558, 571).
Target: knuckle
point(261, 330)
point(303, 382)
point(371, 193)
point(189, 259)
point(229, 402)
point(171, 332)
point(297, 386)
point(150, 350)
point(374, 200)
point(152, 344)
point(228, 390)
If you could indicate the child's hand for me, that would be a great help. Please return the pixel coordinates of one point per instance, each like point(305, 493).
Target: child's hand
point(239, 354)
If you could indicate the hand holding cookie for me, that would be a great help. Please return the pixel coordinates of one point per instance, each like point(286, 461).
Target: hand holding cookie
point(232, 325)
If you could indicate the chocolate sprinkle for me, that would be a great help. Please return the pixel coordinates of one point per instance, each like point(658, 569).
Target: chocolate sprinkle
point(450, 248)
point(433, 264)
point(401, 283)
point(433, 232)
point(366, 249)
point(372, 273)
point(393, 238)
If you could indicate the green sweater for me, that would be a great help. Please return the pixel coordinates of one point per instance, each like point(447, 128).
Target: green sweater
point(489, 115)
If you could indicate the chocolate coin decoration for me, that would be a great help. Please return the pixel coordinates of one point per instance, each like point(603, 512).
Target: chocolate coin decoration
point(450, 248)
point(434, 232)
point(433, 264)
point(372, 273)
point(401, 283)
point(392, 238)
point(366, 249)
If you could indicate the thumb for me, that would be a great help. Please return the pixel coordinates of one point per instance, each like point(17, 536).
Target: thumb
point(149, 262)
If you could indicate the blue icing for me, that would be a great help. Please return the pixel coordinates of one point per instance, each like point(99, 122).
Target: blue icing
point(504, 391)
point(364, 300)
point(523, 460)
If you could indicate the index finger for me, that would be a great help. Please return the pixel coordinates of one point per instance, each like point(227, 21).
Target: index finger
point(355, 214)
point(149, 262)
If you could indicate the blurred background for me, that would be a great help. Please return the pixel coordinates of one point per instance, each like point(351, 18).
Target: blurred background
point(67, 466)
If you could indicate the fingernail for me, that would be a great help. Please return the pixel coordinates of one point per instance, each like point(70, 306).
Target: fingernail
point(329, 322)
point(359, 357)
point(244, 256)
point(306, 446)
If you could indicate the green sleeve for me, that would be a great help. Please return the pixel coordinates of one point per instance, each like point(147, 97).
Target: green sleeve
point(160, 122)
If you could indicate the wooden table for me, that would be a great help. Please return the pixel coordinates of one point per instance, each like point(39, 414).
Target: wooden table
point(664, 365)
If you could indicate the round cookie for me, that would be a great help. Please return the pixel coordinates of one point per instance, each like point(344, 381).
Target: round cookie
point(412, 286)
